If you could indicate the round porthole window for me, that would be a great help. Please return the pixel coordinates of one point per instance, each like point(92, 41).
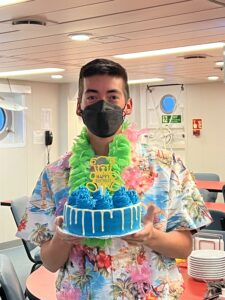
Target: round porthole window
point(5, 122)
point(168, 104)
point(2, 119)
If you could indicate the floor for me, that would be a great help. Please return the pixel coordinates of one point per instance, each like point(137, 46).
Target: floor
point(20, 261)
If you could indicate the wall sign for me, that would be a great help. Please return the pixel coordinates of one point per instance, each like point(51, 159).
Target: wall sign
point(171, 119)
point(196, 126)
point(164, 115)
point(197, 123)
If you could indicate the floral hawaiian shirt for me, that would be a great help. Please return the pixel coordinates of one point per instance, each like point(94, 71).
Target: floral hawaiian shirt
point(120, 271)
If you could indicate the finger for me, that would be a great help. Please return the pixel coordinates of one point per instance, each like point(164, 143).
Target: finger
point(143, 233)
point(132, 242)
point(149, 217)
point(59, 221)
point(70, 239)
point(67, 237)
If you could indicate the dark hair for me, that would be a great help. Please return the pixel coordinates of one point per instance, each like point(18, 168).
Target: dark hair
point(102, 66)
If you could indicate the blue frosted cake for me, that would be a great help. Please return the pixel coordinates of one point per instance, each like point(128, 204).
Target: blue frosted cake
point(99, 214)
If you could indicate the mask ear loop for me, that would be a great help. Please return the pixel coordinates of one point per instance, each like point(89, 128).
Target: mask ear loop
point(124, 113)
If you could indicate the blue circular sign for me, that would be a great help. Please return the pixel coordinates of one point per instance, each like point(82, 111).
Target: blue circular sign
point(168, 103)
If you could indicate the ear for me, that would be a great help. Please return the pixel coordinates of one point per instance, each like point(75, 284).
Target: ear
point(78, 110)
point(129, 105)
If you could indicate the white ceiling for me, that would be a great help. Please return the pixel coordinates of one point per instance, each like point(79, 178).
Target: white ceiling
point(117, 27)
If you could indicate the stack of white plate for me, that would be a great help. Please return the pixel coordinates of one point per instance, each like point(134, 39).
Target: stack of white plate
point(207, 265)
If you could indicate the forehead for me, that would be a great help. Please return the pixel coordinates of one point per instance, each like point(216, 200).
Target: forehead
point(103, 83)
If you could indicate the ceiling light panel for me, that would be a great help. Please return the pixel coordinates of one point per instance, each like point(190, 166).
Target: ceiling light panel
point(213, 78)
point(56, 76)
point(219, 63)
point(149, 80)
point(30, 72)
point(11, 2)
point(80, 37)
point(168, 51)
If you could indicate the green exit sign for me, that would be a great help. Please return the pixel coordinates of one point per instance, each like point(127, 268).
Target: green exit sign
point(171, 118)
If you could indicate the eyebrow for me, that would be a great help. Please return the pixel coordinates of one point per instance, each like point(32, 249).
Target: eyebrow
point(108, 92)
point(91, 91)
point(114, 91)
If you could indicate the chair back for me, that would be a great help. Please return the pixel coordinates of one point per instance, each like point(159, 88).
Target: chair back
point(212, 196)
point(218, 220)
point(223, 191)
point(209, 239)
point(221, 232)
point(205, 195)
point(18, 208)
point(9, 282)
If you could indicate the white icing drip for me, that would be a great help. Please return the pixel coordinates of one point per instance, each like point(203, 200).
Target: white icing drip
point(102, 220)
point(136, 216)
point(64, 215)
point(71, 216)
point(93, 221)
point(122, 215)
point(83, 229)
point(76, 212)
point(131, 217)
point(111, 214)
point(139, 217)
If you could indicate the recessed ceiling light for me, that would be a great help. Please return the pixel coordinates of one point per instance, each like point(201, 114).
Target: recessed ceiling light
point(56, 76)
point(171, 50)
point(11, 2)
point(213, 78)
point(137, 81)
point(30, 72)
point(80, 37)
point(219, 63)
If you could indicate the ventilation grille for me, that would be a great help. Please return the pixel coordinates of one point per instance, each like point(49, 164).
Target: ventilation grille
point(33, 22)
point(196, 56)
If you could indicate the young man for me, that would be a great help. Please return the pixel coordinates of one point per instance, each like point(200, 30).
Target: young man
point(138, 266)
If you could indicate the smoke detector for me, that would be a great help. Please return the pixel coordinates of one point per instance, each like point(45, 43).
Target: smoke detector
point(29, 23)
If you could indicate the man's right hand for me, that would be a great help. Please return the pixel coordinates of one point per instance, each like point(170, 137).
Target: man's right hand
point(59, 234)
point(55, 252)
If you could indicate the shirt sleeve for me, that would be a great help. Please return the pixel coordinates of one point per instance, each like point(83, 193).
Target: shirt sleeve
point(37, 224)
point(186, 209)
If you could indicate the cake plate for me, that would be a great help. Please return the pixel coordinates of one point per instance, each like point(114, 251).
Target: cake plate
point(98, 237)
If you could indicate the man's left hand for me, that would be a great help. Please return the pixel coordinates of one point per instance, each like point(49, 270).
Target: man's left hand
point(144, 235)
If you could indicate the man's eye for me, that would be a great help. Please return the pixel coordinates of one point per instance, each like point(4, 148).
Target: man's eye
point(113, 98)
point(91, 98)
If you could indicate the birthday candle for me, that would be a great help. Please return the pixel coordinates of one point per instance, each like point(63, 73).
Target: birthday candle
point(101, 190)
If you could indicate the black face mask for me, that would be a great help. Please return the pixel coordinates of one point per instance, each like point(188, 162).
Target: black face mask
point(103, 119)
